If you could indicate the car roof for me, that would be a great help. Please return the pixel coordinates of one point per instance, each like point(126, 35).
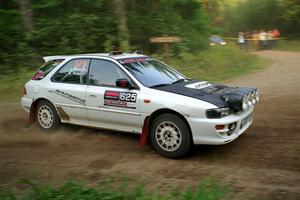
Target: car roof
point(100, 55)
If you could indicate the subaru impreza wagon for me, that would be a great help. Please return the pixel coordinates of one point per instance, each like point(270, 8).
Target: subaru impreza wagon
point(138, 94)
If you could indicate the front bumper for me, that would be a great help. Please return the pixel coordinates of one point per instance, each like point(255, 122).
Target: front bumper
point(26, 103)
point(204, 129)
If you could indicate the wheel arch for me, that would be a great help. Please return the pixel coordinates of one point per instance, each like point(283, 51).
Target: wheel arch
point(34, 106)
point(149, 120)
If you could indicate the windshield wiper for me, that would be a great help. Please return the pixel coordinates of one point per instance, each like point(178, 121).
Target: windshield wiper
point(179, 80)
point(160, 85)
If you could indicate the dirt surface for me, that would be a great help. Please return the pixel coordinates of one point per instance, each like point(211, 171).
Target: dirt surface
point(263, 163)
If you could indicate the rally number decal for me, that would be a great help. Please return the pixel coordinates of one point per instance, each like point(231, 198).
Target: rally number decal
point(120, 99)
point(128, 96)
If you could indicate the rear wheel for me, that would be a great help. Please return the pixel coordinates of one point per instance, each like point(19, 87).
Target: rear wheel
point(46, 116)
point(170, 136)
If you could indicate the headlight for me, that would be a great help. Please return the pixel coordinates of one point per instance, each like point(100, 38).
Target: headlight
point(257, 96)
point(217, 112)
point(249, 100)
point(253, 97)
point(245, 102)
point(241, 98)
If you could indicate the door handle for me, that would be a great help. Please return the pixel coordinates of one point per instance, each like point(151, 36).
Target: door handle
point(93, 95)
point(50, 90)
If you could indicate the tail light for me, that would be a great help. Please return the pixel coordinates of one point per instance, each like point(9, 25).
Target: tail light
point(24, 91)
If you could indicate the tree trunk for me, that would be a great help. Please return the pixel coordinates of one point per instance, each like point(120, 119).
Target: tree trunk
point(120, 13)
point(27, 18)
point(26, 13)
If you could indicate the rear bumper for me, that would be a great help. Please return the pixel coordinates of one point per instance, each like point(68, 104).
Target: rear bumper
point(204, 130)
point(26, 103)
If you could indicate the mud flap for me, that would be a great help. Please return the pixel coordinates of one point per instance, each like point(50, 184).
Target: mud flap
point(31, 117)
point(145, 132)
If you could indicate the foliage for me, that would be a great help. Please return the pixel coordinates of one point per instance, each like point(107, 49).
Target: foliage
point(291, 15)
point(217, 63)
point(67, 26)
point(264, 14)
point(71, 27)
point(207, 190)
point(61, 27)
point(12, 84)
point(243, 17)
point(288, 45)
point(87, 26)
point(184, 18)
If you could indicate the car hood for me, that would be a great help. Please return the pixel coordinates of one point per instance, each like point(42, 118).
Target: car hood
point(216, 94)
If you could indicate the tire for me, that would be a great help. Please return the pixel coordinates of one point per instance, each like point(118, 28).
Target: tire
point(170, 136)
point(46, 116)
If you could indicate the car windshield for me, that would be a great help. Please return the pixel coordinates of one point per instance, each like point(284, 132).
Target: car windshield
point(215, 39)
point(151, 72)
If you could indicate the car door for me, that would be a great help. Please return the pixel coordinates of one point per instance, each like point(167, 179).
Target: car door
point(67, 90)
point(109, 106)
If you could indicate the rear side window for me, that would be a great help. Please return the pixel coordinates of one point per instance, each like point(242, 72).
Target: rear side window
point(46, 69)
point(75, 71)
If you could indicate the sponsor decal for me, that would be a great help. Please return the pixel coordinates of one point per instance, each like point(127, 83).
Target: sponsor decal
point(111, 95)
point(80, 67)
point(120, 99)
point(131, 60)
point(38, 75)
point(70, 96)
point(199, 85)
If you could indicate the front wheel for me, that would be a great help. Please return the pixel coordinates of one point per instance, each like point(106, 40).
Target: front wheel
point(170, 136)
point(46, 116)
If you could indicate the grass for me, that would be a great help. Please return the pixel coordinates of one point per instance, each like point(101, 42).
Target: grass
point(288, 45)
point(207, 190)
point(11, 86)
point(217, 63)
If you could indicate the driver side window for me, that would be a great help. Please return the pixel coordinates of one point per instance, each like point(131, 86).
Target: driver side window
point(104, 73)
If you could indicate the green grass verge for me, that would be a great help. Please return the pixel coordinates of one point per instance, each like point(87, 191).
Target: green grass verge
point(215, 64)
point(288, 45)
point(207, 190)
point(11, 86)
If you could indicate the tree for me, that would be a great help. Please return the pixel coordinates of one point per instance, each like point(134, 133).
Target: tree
point(32, 29)
point(184, 18)
point(291, 15)
point(263, 14)
point(26, 13)
point(119, 11)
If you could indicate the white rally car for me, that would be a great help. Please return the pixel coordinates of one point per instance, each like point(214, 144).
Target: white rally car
point(138, 94)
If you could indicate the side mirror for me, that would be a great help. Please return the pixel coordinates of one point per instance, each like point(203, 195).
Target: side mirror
point(124, 83)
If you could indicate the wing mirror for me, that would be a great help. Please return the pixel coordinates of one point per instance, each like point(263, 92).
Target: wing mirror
point(124, 83)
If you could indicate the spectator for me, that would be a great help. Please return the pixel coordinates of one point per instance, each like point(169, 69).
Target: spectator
point(247, 36)
point(255, 40)
point(270, 40)
point(262, 39)
point(276, 35)
point(241, 40)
